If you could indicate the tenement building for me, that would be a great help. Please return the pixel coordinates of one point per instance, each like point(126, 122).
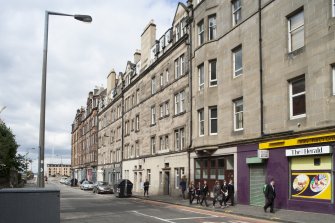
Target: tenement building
point(58, 169)
point(263, 99)
point(84, 142)
point(144, 126)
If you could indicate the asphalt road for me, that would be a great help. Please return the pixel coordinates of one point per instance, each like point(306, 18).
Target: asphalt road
point(83, 206)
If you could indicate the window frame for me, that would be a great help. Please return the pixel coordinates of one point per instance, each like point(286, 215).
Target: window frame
point(290, 49)
point(176, 68)
point(201, 122)
point(179, 99)
point(211, 119)
point(333, 8)
point(201, 73)
point(292, 96)
point(201, 32)
point(333, 76)
point(212, 82)
point(153, 115)
point(153, 145)
point(212, 28)
point(236, 11)
point(237, 72)
point(235, 102)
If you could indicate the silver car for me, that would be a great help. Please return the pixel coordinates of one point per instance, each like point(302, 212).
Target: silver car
point(102, 187)
point(87, 185)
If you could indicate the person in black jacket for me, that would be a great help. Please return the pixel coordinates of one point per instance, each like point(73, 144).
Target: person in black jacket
point(198, 192)
point(231, 192)
point(204, 193)
point(146, 187)
point(224, 191)
point(270, 195)
point(191, 192)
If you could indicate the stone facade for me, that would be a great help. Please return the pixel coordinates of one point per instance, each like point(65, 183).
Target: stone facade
point(58, 170)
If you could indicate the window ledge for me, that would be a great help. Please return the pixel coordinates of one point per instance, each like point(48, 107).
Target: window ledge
point(297, 117)
point(151, 125)
point(296, 52)
point(179, 114)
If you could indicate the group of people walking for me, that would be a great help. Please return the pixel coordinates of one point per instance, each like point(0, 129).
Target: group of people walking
point(222, 193)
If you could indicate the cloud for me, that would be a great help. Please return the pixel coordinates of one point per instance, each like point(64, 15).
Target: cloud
point(79, 57)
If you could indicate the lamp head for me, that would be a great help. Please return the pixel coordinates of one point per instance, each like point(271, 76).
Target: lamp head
point(83, 18)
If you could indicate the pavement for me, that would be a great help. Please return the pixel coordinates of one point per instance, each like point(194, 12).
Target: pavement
point(280, 215)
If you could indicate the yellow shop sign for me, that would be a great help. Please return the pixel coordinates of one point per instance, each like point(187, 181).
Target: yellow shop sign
point(321, 138)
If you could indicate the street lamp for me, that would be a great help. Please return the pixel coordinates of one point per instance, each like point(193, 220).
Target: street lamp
point(83, 18)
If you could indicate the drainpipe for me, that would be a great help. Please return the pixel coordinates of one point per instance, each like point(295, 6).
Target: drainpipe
point(261, 67)
point(190, 22)
point(122, 128)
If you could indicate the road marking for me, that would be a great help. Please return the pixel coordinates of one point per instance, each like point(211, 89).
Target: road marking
point(150, 216)
point(190, 218)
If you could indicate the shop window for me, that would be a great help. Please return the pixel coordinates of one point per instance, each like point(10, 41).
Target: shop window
point(205, 169)
point(213, 169)
point(197, 169)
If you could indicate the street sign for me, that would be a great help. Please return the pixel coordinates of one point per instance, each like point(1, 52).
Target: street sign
point(263, 154)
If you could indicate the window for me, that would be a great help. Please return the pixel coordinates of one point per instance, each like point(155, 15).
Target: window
point(297, 98)
point(137, 149)
point(176, 69)
point(153, 144)
point(212, 73)
point(179, 173)
point(238, 114)
point(161, 109)
point(333, 7)
point(149, 176)
point(296, 31)
point(178, 31)
point(167, 108)
point(153, 85)
point(167, 76)
point(236, 11)
point(164, 109)
point(333, 72)
point(201, 33)
point(201, 122)
point(179, 102)
point(201, 76)
point(213, 120)
point(211, 27)
point(182, 64)
point(137, 96)
point(167, 142)
point(237, 63)
point(179, 139)
point(137, 121)
point(161, 80)
point(161, 143)
point(153, 115)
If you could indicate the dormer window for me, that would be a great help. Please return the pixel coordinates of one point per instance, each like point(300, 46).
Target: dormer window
point(178, 31)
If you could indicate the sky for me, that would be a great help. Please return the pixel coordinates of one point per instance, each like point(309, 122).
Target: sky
point(80, 56)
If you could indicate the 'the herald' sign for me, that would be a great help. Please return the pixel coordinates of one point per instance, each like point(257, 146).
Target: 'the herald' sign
point(309, 151)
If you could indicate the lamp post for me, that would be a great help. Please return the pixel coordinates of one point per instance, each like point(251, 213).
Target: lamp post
point(83, 18)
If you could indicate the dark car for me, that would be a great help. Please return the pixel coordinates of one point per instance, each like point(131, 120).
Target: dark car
point(102, 187)
point(123, 188)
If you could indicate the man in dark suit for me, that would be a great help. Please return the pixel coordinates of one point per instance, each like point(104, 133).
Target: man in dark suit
point(270, 195)
point(231, 192)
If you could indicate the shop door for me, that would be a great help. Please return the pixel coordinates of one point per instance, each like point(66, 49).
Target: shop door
point(257, 180)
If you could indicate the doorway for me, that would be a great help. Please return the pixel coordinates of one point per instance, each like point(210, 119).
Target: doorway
point(166, 183)
point(257, 180)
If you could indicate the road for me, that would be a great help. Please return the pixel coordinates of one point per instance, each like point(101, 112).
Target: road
point(83, 206)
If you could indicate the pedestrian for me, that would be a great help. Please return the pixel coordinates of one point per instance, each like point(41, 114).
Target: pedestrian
point(224, 191)
point(270, 195)
point(191, 192)
point(146, 187)
point(75, 182)
point(198, 192)
point(231, 192)
point(182, 186)
point(204, 193)
point(217, 193)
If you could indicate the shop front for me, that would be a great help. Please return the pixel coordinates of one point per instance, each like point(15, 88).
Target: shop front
point(303, 169)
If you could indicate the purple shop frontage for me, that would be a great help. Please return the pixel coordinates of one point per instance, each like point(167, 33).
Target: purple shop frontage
point(303, 172)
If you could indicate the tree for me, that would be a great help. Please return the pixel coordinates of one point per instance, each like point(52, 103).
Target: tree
point(9, 159)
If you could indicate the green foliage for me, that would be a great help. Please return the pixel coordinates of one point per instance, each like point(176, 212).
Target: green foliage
point(8, 149)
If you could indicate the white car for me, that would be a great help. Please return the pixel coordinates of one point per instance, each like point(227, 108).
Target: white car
point(62, 180)
point(87, 185)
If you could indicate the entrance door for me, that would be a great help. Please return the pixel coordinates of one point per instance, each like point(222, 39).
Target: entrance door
point(135, 182)
point(257, 180)
point(167, 183)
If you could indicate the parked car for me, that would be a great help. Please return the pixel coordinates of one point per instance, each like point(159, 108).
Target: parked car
point(87, 185)
point(62, 180)
point(102, 187)
point(123, 188)
point(68, 181)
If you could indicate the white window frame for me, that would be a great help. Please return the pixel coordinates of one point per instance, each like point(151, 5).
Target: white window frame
point(182, 64)
point(178, 31)
point(212, 27)
point(236, 11)
point(137, 96)
point(166, 107)
point(296, 95)
point(153, 85)
point(213, 118)
point(176, 68)
point(161, 79)
point(236, 71)
point(161, 143)
point(201, 32)
point(161, 111)
point(179, 102)
point(182, 101)
point(167, 142)
point(212, 82)
point(153, 115)
point(201, 121)
point(167, 76)
point(137, 121)
point(201, 75)
point(153, 144)
point(290, 49)
point(236, 103)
